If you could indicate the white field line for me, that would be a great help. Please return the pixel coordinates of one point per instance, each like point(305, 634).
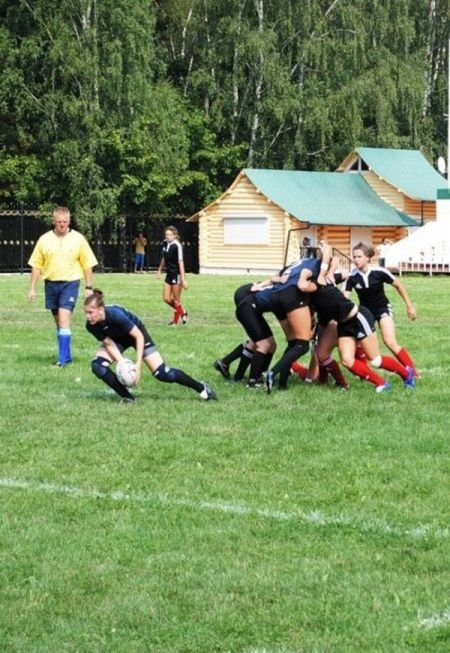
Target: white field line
point(317, 518)
point(435, 620)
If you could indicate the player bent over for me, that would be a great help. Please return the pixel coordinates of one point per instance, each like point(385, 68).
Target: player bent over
point(117, 329)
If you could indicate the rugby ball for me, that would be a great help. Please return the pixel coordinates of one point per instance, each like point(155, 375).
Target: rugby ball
point(126, 372)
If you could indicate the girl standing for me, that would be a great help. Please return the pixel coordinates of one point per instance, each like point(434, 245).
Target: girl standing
point(175, 280)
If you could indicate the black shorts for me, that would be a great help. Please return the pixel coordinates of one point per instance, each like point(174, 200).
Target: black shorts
point(359, 327)
point(255, 325)
point(385, 311)
point(126, 342)
point(286, 301)
point(241, 293)
point(173, 279)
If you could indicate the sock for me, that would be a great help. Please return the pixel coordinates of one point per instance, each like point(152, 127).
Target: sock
point(390, 364)
point(64, 342)
point(293, 351)
point(406, 360)
point(323, 375)
point(244, 362)
point(113, 382)
point(299, 370)
point(233, 355)
point(176, 312)
point(332, 367)
point(361, 369)
point(184, 379)
point(258, 365)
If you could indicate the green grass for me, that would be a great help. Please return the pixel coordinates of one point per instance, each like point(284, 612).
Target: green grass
point(309, 521)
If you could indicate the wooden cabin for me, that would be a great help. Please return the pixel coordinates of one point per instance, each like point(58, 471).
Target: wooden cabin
point(260, 221)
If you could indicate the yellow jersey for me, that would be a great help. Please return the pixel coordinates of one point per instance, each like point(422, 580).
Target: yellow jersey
point(62, 258)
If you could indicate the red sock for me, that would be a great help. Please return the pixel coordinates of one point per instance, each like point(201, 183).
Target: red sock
point(390, 364)
point(333, 368)
point(323, 375)
point(176, 313)
point(299, 370)
point(406, 360)
point(361, 369)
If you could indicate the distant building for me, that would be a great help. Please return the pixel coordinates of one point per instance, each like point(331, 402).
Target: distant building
point(261, 219)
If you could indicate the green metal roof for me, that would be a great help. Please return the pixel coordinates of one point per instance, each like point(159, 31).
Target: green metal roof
point(407, 170)
point(327, 198)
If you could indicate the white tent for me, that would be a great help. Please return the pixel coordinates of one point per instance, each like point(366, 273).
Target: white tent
point(427, 248)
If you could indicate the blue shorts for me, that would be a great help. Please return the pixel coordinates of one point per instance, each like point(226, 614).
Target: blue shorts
point(139, 260)
point(61, 294)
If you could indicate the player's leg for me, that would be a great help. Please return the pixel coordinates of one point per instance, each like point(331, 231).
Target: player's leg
point(327, 341)
point(388, 334)
point(166, 374)
point(297, 328)
point(62, 298)
point(347, 349)
point(101, 367)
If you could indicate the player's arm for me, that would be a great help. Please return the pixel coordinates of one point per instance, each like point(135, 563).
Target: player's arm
point(184, 283)
point(327, 256)
point(400, 288)
point(112, 349)
point(304, 283)
point(34, 278)
point(278, 277)
point(88, 276)
point(161, 267)
point(137, 334)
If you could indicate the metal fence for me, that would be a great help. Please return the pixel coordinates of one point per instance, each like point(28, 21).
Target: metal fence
point(20, 228)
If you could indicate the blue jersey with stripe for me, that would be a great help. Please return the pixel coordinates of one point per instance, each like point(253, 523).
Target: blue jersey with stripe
point(117, 325)
point(263, 297)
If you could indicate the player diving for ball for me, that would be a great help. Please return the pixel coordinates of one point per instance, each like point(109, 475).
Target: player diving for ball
point(118, 329)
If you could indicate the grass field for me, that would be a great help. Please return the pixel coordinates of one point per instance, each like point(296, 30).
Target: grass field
point(312, 520)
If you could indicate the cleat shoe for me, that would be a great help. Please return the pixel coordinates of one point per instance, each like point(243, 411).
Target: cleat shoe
point(207, 394)
point(253, 384)
point(184, 317)
point(127, 400)
point(222, 367)
point(61, 364)
point(172, 323)
point(342, 386)
point(410, 382)
point(268, 381)
point(383, 388)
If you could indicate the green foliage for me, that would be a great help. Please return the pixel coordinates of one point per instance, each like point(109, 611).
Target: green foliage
point(121, 105)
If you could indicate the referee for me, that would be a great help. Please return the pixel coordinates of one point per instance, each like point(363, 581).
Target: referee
point(62, 256)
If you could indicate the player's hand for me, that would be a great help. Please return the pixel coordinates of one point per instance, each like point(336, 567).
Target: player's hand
point(411, 312)
point(138, 375)
point(185, 285)
point(31, 296)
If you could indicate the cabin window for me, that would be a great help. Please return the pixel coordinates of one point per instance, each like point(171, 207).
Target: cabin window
point(239, 230)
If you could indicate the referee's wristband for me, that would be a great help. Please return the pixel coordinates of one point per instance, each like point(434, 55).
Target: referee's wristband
point(88, 287)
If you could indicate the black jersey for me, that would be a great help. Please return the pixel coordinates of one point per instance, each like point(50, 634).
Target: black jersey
point(172, 253)
point(117, 325)
point(330, 304)
point(369, 287)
